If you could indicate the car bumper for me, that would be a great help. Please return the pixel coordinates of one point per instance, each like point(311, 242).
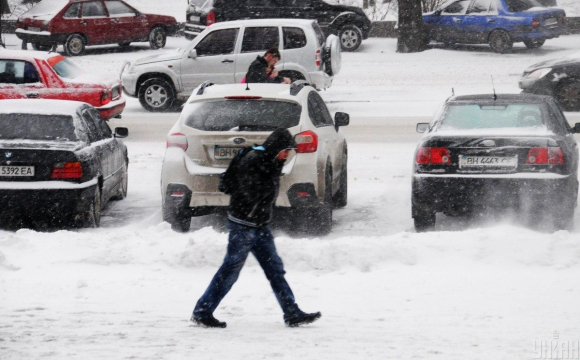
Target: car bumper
point(129, 84)
point(112, 109)
point(440, 192)
point(42, 38)
point(546, 33)
point(192, 30)
point(321, 80)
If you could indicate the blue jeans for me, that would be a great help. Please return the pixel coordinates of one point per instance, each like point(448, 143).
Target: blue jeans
point(242, 240)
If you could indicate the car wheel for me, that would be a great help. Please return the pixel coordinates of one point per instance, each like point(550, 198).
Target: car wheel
point(424, 220)
point(341, 196)
point(157, 38)
point(74, 45)
point(319, 219)
point(568, 95)
point(93, 215)
point(124, 44)
point(534, 44)
point(41, 47)
point(178, 218)
point(122, 191)
point(500, 41)
point(350, 37)
point(156, 95)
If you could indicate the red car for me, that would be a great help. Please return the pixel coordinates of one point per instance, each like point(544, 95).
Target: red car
point(77, 23)
point(40, 75)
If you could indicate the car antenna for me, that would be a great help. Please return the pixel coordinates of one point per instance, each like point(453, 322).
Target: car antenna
point(493, 85)
point(247, 87)
point(452, 91)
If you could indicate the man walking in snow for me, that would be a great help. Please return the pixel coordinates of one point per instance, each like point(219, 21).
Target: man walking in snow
point(253, 190)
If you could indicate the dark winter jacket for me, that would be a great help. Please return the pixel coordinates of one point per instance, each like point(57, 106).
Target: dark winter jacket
point(258, 179)
point(257, 73)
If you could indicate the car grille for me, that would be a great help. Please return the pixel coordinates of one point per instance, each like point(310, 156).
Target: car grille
point(116, 93)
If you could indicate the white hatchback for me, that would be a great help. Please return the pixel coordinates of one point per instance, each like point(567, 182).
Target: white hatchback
point(217, 121)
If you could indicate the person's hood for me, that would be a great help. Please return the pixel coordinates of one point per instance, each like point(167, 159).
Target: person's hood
point(280, 139)
point(166, 56)
point(567, 60)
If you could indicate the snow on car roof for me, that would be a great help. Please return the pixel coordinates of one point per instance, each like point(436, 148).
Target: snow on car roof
point(502, 98)
point(26, 55)
point(281, 91)
point(254, 22)
point(40, 106)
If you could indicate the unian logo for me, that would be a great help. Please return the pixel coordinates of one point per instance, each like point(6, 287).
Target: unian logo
point(8, 154)
point(239, 141)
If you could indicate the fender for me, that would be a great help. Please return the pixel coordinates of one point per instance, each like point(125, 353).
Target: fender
point(160, 69)
point(349, 17)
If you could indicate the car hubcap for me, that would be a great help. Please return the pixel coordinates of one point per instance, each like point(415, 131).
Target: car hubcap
point(159, 39)
point(76, 46)
point(156, 96)
point(349, 38)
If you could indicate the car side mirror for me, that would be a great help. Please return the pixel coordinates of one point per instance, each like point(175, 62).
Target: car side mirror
point(341, 119)
point(192, 54)
point(576, 128)
point(438, 12)
point(422, 127)
point(121, 132)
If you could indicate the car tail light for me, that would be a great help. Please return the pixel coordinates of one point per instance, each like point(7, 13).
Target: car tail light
point(177, 140)
point(545, 156)
point(67, 170)
point(210, 18)
point(433, 156)
point(105, 97)
point(318, 58)
point(535, 23)
point(307, 142)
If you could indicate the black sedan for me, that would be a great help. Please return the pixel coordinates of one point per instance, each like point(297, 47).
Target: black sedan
point(59, 160)
point(513, 151)
point(558, 77)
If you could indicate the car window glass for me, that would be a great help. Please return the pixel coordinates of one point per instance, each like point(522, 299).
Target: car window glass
point(480, 7)
point(560, 118)
point(72, 12)
point(117, 8)
point(93, 133)
point(326, 117)
point(294, 38)
point(18, 72)
point(37, 127)
point(522, 5)
point(102, 126)
point(220, 42)
point(93, 9)
point(475, 116)
point(457, 8)
point(314, 111)
point(260, 39)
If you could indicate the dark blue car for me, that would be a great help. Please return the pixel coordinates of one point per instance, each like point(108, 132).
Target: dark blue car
point(498, 23)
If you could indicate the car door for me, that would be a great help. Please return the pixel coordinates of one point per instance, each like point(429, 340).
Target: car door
point(125, 25)
point(263, 9)
point(95, 23)
point(480, 19)
point(255, 42)
point(215, 60)
point(20, 79)
point(449, 25)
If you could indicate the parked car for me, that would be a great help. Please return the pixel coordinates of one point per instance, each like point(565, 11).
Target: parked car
point(210, 131)
point(223, 53)
point(558, 77)
point(40, 75)
point(499, 23)
point(78, 23)
point(59, 159)
point(349, 23)
point(516, 151)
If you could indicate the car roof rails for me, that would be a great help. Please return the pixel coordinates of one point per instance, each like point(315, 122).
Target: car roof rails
point(203, 86)
point(297, 86)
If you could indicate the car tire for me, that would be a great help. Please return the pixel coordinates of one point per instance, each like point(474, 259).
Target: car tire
point(350, 37)
point(157, 38)
point(568, 94)
point(93, 215)
point(319, 219)
point(179, 219)
point(341, 196)
point(534, 44)
point(501, 42)
point(122, 191)
point(156, 95)
point(74, 45)
point(424, 220)
point(41, 47)
point(124, 44)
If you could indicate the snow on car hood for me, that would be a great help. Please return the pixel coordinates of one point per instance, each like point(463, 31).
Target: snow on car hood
point(567, 60)
point(167, 56)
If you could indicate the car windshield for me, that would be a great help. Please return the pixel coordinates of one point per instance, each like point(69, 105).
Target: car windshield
point(37, 127)
point(522, 5)
point(46, 7)
point(490, 116)
point(243, 115)
point(67, 69)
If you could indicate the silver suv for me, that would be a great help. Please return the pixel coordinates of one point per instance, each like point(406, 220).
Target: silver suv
point(219, 120)
point(223, 53)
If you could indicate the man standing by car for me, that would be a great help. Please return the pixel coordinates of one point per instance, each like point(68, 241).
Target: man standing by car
point(263, 70)
point(253, 190)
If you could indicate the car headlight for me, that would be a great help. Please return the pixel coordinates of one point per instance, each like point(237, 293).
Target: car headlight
point(538, 74)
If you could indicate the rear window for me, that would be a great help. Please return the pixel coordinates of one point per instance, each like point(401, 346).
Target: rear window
point(466, 117)
point(243, 115)
point(37, 127)
point(46, 8)
point(522, 5)
point(66, 68)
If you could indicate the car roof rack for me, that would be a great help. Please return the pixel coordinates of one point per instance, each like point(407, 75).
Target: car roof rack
point(297, 86)
point(202, 87)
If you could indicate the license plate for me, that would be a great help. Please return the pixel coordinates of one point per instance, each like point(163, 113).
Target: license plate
point(16, 170)
point(35, 29)
point(488, 161)
point(225, 153)
point(194, 19)
point(550, 21)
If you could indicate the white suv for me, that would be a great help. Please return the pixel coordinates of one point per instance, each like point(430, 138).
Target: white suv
point(217, 121)
point(223, 53)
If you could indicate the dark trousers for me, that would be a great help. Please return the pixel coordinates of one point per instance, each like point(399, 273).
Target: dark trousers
point(242, 240)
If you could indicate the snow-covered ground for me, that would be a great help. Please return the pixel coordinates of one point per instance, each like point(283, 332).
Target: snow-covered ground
point(485, 289)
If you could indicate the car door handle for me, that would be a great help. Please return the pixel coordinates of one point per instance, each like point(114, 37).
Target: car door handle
point(458, 20)
point(83, 22)
point(33, 95)
point(490, 20)
point(227, 61)
point(115, 21)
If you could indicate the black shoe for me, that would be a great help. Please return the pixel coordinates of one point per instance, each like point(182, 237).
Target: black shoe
point(208, 322)
point(301, 318)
